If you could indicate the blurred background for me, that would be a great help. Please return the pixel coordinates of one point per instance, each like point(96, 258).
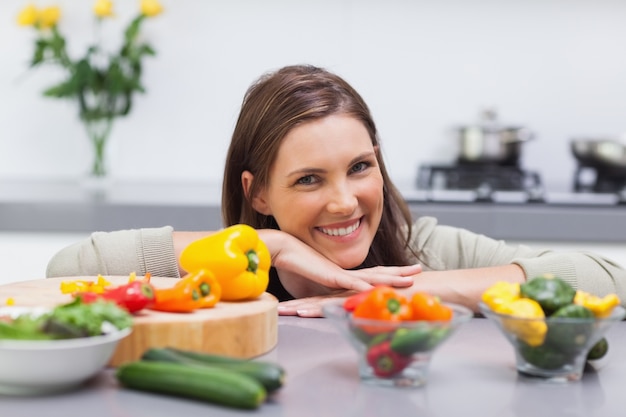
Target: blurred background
point(425, 68)
point(555, 66)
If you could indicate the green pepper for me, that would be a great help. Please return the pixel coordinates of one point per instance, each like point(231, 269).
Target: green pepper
point(570, 336)
point(598, 350)
point(549, 291)
point(544, 356)
point(408, 341)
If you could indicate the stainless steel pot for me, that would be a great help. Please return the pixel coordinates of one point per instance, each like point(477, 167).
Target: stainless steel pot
point(489, 142)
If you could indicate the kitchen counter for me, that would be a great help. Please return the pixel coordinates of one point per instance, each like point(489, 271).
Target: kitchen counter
point(67, 206)
point(472, 374)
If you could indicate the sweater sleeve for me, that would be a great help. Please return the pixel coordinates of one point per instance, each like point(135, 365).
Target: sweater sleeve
point(118, 253)
point(443, 248)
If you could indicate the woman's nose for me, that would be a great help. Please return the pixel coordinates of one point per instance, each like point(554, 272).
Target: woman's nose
point(342, 200)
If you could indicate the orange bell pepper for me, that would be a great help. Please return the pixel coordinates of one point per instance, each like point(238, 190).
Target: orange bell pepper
point(351, 302)
point(428, 307)
point(196, 290)
point(383, 303)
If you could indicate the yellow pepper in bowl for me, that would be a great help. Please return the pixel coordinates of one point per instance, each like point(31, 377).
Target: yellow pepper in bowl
point(533, 332)
point(600, 306)
point(500, 294)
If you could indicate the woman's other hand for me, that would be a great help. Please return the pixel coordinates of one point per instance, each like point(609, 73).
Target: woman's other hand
point(310, 307)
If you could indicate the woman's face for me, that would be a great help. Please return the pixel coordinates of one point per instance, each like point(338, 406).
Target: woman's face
point(326, 188)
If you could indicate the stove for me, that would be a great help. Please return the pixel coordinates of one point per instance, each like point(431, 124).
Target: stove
point(459, 182)
point(484, 183)
point(598, 180)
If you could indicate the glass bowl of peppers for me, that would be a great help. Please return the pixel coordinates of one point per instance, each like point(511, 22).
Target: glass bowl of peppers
point(395, 335)
point(554, 329)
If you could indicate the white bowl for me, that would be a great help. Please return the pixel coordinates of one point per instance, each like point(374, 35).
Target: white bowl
point(34, 367)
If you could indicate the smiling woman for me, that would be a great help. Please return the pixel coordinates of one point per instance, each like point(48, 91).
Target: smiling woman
point(305, 169)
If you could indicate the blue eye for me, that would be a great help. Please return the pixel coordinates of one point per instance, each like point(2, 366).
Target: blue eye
point(309, 179)
point(360, 166)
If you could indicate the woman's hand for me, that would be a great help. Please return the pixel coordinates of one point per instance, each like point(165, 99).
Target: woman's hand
point(310, 306)
point(304, 272)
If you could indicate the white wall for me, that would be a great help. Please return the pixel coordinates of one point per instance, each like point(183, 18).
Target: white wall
point(556, 66)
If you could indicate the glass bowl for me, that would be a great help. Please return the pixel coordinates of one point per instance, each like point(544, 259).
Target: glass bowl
point(558, 356)
point(394, 354)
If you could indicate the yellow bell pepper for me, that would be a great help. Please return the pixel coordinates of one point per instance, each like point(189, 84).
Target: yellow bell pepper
point(238, 258)
point(600, 306)
point(500, 294)
point(533, 332)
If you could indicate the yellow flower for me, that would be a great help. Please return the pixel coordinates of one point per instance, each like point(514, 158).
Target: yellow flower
point(49, 17)
point(150, 8)
point(103, 8)
point(28, 16)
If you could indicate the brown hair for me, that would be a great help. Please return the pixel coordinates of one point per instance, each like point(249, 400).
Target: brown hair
point(273, 106)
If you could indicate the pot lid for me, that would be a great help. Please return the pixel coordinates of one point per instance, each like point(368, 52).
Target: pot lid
point(488, 122)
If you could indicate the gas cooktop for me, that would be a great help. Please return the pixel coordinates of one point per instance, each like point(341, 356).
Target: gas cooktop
point(502, 184)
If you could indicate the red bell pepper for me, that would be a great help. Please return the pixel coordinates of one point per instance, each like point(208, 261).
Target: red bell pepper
point(134, 296)
point(384, 361)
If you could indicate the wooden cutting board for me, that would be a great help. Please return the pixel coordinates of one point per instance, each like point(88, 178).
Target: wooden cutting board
point(242, 329)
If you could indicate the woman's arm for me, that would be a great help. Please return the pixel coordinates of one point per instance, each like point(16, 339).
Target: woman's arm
point(118, 253)
point(463, 287)
point(459, 265)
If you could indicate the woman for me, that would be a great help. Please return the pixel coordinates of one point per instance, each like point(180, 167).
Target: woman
point(305, 169)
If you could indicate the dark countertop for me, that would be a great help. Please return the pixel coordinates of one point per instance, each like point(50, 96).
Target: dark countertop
point(69, 206)
point(471, 374)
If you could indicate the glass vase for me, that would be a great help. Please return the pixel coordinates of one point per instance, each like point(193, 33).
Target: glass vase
point(98, 132)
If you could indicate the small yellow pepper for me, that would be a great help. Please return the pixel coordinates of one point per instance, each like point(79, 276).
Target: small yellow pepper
point(500, 294)
point(238, 258)
point(600, 306)
point(533, 332)
point(98, 287)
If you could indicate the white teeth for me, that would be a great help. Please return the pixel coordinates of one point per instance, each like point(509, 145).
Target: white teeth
point(342, 231)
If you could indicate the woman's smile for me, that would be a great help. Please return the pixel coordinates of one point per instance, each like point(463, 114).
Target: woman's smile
point(341, 231)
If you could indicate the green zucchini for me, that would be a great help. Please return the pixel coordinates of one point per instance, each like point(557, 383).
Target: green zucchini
point(270, 375)
point(204, 383)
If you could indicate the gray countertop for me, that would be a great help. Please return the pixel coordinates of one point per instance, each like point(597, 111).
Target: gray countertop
point(69, 206)
point(471, 374)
